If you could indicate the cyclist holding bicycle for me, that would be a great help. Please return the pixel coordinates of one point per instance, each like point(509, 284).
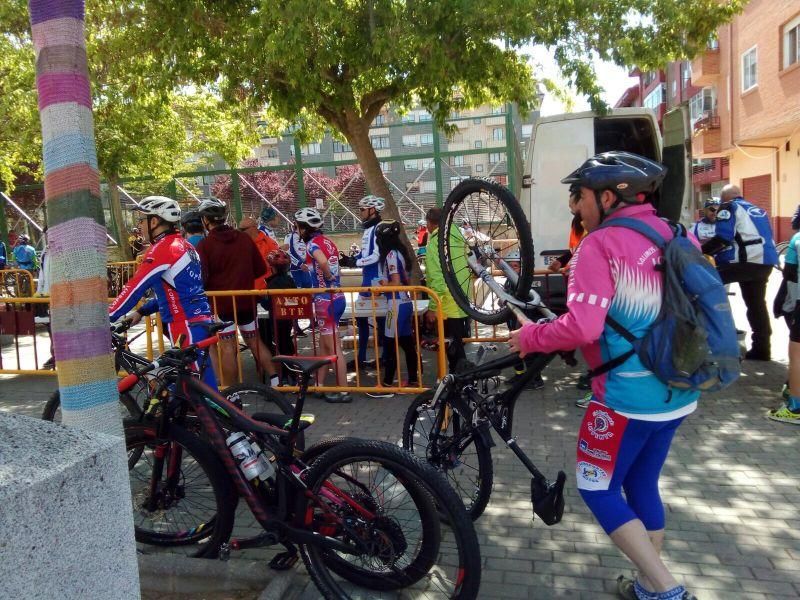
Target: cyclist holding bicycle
point(171, 268)
point(626, 433)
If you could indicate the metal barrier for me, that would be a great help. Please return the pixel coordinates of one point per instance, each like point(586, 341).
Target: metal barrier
point(118, 275)
point(18, 321)
point(29, 340)
point(16, 283)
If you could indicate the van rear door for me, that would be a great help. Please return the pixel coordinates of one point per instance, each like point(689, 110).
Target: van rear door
point(676, 201)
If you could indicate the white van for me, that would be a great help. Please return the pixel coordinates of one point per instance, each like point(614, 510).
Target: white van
point(559, 144)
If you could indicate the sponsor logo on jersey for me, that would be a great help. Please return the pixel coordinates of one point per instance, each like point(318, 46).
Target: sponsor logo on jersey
point(755, 211)
point(600, 424)
point(593, 452)
point(591, 472)
point(723, 215)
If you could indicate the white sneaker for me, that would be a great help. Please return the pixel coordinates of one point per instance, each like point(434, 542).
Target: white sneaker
point(584, 402)
point(41, 320)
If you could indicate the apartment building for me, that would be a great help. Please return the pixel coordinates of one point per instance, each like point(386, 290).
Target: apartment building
point(408, 144)
point(750, 79)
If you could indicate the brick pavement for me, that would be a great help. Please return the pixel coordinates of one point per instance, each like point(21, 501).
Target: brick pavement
point(729, 487)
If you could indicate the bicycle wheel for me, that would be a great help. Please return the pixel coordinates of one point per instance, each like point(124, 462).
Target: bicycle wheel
point(128, 407)
point(463, 458)
point(192, 506)
point(407, 547)
point(485, 223)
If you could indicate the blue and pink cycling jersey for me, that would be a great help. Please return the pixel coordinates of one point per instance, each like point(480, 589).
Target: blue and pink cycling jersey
point(328, 307)
point(614, 273)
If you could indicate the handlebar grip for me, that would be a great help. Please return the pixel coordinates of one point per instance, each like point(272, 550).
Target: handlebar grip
point(127, 382)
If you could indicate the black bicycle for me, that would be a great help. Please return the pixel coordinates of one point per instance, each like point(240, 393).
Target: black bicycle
point(363, 513)
point(450, 426)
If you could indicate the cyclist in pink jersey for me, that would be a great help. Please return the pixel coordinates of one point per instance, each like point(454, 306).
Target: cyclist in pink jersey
point(629, 424)
point(328, 306)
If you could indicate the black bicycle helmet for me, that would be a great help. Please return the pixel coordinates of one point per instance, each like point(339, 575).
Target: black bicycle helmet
point(630, 176)
point(190, 218)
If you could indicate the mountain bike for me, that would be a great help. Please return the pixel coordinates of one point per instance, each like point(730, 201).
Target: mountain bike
point(363, 514)
point(450, 426)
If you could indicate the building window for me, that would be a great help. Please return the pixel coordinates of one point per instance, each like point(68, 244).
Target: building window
point(272, 152)
point(410, 140)
point(412, 186)
point(455, 114)
point(379, 141)
point(497, 110)
point(456, 179)
point(498, 133)
point(426, 163)
point(527, 131)
point(457, 161)
point(307, 149)
point(701, 104)
point(494, 158)
point(479, 168)
point(686, 75)
point(791, 42)
point(650, 77)
point(427, 187)
point(750, 69)
point(386, 167)
point(341, 147)
point(476, 121)
point(380, 120)
point(478, 144)
point(655, 98)
point(410, 165)
point(674, 88)
point(426, 139)
point(424, 116)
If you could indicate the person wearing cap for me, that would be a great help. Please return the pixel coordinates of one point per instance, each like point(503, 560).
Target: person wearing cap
point(171, 268)
point(704, 228)
point(627, 430)
point(268, 222)
point(231, 261)
point(25, 254)
point(369, 208)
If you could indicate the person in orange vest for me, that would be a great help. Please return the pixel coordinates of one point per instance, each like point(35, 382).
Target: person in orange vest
point(263, 242)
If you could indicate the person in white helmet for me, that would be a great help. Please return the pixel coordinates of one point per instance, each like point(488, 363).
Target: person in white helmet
point(171, 268)
point(328, 307)
point(370, 208)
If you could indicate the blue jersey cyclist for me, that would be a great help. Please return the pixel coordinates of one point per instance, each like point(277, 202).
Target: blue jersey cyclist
point(369, 208)
point(171, 268)
point(328, 306)
point(629, 424)
point(745, 253)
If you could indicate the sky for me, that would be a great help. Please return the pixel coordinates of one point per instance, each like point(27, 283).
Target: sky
point(614, 79)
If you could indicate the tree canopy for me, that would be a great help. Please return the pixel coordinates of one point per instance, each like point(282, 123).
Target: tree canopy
point(338, 62)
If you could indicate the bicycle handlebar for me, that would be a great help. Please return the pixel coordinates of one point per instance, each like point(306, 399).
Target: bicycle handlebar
point(174, 357)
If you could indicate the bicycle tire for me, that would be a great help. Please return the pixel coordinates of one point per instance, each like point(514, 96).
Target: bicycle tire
point(52, 409)
point(428, 490)
point(475, 503)
point(211, 532)
point(453, 246)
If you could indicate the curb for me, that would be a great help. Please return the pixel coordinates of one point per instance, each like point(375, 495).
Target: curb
point(170, 573)
point(280, 584)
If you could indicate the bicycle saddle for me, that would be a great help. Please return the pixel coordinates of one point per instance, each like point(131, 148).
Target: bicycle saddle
point(303, 364)
point(282, 421)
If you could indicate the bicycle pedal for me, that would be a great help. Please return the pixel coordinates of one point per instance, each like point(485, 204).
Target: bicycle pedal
point(284, 561)
point(224, 551)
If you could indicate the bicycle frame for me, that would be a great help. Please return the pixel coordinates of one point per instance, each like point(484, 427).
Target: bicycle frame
point(289, 523)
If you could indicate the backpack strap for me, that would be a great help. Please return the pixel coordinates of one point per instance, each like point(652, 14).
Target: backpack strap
point(655, 237)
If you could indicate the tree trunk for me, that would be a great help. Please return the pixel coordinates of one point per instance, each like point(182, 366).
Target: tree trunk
point(77, 233)
point(357, 134)
point(116, 211)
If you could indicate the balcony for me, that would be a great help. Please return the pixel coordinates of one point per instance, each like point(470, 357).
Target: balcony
point(705, 68)
point(710, 171)
point(709, 120)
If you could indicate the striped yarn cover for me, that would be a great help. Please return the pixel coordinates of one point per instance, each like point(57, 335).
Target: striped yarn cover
point(77, 233)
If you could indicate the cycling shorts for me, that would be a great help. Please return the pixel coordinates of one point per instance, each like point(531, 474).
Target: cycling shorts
point(327, 312)
point(194, 332)
point(246, 324)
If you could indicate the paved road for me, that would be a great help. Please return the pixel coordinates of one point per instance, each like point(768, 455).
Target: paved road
point(730, 485)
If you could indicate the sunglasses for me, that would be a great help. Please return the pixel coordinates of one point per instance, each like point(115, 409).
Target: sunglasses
point(712, 209)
